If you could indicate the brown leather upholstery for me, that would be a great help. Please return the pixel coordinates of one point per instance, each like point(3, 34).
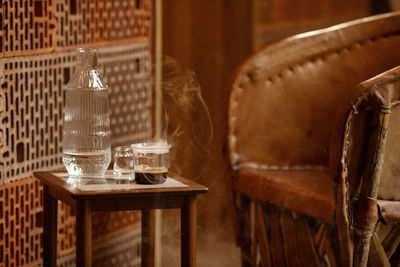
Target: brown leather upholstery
point(285, 97)
point(298, 117)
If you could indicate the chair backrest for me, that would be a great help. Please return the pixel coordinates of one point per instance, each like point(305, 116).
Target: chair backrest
point(284, 98)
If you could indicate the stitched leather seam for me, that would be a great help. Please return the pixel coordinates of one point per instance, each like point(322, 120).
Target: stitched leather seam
point(254, 165)
point(347, 49)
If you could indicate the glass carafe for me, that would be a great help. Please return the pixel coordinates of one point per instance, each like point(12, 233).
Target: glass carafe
point(86, 138)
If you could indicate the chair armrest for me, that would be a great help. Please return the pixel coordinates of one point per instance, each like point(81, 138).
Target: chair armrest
point(372, 94)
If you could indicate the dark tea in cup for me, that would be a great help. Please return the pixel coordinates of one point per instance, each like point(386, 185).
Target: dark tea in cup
point(151, 176)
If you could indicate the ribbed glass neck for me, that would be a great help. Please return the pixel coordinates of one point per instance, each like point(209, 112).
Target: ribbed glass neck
point(87, 58)
point(86, 75)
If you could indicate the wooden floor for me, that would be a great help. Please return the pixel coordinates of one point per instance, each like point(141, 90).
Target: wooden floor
point(216, 247)
point(210, 253)
point(218, 251)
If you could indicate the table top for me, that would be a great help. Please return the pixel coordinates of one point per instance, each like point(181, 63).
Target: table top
point(111, 185)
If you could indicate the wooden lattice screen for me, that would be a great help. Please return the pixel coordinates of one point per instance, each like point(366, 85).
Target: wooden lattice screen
point(37, 44)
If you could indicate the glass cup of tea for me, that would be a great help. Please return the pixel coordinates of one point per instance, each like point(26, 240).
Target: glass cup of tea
point(151, 162)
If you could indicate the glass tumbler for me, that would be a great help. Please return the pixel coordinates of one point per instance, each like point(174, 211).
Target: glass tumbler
point(123, 164)
point(151, 162)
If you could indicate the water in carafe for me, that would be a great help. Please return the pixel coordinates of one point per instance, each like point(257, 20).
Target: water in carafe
point(86, 138)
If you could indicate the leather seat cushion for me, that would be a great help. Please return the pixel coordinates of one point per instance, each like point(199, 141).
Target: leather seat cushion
point(310, 192)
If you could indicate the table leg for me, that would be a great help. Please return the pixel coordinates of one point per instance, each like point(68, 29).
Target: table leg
point(188, 231)
point(49, 228)
point(83, 234)
point(148, 235)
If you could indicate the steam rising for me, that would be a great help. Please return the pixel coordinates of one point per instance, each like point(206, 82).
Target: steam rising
point(188, 127)
point(180, 86)
point(181, 102)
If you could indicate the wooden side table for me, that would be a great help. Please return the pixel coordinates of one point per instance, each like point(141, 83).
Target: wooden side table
point(109, 194)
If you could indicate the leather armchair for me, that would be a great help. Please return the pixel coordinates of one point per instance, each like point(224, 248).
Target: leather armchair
point(308, 119)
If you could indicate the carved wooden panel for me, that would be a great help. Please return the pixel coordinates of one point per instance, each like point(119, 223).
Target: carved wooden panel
point(21, 211)
point(121, 250)
point(37, 26)
point(104, 224)
point(127, 71)
point(65, 229)
point(26, 26)
point(37, 43)
point(87, 22)
point(32, 89)
point(32, 105)
point(21, 223)
point(31, 102)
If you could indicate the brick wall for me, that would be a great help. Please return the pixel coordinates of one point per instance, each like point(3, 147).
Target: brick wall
point(37, 44)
